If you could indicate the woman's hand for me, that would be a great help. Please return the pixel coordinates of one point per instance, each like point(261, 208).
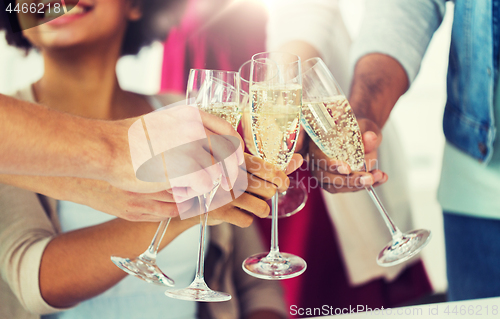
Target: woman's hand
point(264, 180)
point(102, 196)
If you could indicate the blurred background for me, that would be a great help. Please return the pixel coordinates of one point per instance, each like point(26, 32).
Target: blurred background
point(418, 116)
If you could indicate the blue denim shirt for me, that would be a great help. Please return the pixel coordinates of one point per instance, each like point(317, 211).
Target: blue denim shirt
point(403, 29)
point(472, 73)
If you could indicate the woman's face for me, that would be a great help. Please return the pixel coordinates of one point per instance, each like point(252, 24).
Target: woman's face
point(85, 23)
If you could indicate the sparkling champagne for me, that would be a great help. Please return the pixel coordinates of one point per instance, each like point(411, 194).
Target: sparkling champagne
point(275, 117)
point(336, 131)
point(229, 112)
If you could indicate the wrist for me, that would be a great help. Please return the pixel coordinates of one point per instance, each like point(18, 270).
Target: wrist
point(185, 224)
point(378, 82)
point(103, 162)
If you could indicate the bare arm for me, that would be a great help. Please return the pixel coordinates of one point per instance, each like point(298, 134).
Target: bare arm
point(99, 195)
point(39, 141)
point(379, 81)
point(63, 280)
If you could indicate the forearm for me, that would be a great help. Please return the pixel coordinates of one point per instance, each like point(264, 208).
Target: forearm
point(39, 141)
point(60, 188)
point(63, 280)
point(378, 82)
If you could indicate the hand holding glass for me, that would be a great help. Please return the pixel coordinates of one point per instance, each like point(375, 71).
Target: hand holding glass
point(330, 122)
point(276, 98)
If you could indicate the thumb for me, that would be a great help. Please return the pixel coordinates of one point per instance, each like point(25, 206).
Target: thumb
point(372, 135)
point(371, 141)
point(294, 164)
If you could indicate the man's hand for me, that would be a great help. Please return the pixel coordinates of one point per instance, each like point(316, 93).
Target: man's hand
point(378, 82)
point(336, 176)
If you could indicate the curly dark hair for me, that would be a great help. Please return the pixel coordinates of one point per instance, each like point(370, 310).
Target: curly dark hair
point(139, 33)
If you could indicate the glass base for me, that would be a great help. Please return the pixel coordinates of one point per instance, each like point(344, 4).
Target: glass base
point(283, 266)
point(405, 248)
point(144, 269)
point(292, 200)
point(198, 291)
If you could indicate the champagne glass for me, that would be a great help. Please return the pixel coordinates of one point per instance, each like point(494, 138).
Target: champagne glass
point(294, 198)
point(276, 95)
point(328, 119)
point(144, 266)
point(214, 92)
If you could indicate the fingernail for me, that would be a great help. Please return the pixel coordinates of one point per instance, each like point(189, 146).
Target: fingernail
point(371, 135)
point(366, 180)
point(343, 169)
point(377, 176)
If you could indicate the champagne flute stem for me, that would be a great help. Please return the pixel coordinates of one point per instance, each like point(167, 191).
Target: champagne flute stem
point(395, 232)
point(200, 265)
point(275, 251)
point(152, 250)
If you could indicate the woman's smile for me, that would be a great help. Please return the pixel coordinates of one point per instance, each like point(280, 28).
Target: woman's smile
point(55, 15)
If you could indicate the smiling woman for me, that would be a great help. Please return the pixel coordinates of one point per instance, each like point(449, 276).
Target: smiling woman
point(19, 15)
